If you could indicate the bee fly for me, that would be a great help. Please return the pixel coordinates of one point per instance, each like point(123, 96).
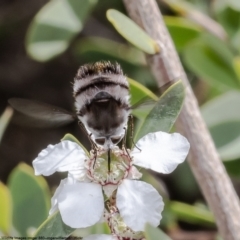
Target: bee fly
point(101, 93)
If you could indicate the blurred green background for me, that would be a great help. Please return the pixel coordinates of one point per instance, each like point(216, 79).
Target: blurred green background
point(42, 45)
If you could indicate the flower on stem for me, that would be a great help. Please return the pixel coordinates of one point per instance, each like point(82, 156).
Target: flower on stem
point(100, 237)
point(79, 197)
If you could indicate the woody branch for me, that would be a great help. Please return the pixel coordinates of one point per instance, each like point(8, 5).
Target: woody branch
point(203, 158)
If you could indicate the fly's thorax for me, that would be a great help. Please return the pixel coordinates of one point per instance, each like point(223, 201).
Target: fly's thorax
point(101, 76)
point(86, 97)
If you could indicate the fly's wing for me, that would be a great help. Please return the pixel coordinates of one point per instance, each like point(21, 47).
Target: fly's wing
point(160, 115)
point(39, 115)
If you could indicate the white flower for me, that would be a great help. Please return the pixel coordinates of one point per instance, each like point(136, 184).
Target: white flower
point(100, 237)
point(79, 197)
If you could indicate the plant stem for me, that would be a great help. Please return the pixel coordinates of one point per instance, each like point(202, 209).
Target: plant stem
point(203, 157)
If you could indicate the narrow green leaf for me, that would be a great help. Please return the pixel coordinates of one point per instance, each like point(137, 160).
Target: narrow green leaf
point(54, 227)
point(224, 125)
point(164, 113)
point(235, 40)
point(132, 32)
point(4, 120)
point(233, 168)
point(152, 233)
point(71, 138)
point(181, 30)
point(213, 112)
point(221, 5)
point(30, 196)
point(192, 214)
point(132, 60)
point(114, 51)
point(139, 92)
point(227, 146)
point(5, 210)
point(227, 16)
point(157, 183)
point(98, 228)
point(235, 4)
point(230, 130)
point(236, 66)
point(54, 27)
point(212, 61)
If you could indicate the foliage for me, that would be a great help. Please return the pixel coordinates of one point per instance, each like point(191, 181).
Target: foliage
point(214, 70)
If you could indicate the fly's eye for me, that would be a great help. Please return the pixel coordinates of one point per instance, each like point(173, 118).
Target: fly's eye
point(100, 141)
point(116, 139)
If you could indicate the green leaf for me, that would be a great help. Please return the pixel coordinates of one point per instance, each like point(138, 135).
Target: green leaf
point(164, 113)
point(152, 233)
point(188, 185)
point(132, 60)
point(228, 17)
point(157, 183)
point(5, 210)
point(114, 51)
point(98, 228)
point(233, 168)
point(70, 137)
point(223, 121)
point(4, 120)
point(211, 60)
point(234, 4)
point(181, 30)
point(139, 92)
point(228, 146)
point(54, 27)
point(132, 32)
point(30, 196)
point(191, 214)
point(54, 227)
point(236, 66)
point(236, 40)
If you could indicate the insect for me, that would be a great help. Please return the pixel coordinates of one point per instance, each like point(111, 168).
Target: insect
point(101, 94)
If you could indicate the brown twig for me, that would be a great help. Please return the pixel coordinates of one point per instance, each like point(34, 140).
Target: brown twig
point(203, 158)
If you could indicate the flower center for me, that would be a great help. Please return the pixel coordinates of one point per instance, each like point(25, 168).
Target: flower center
point(120, 165)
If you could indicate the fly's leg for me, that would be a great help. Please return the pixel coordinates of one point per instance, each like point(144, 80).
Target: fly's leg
point(131, 124)
point(94, 146)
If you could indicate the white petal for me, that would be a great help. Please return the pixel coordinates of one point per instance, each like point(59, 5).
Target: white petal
point(139, 203)
point(134, 173)
point(54, 200)
point(100, 237)
point(61, 157)
point(81, 204)
point(161, 151)
point(79, 175)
